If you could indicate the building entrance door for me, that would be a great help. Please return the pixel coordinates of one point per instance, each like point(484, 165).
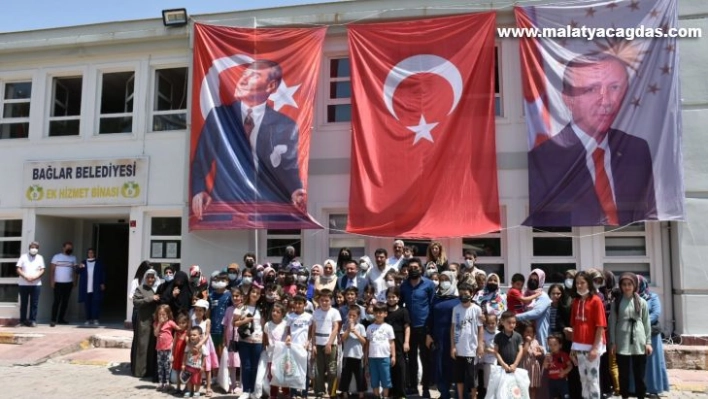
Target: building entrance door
point(111, 241)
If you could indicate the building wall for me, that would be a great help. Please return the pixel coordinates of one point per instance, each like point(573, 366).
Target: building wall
point(673, 255)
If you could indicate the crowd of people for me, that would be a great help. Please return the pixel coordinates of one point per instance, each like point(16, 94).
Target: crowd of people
point(393, 327)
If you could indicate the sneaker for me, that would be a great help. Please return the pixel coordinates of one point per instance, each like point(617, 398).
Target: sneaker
point(95, 322)
point(33, 324)
point(187, 394)
point(196, 395)
point(87, 323)
point(245, 395)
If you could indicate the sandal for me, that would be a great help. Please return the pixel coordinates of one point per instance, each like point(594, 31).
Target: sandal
point(208, 393)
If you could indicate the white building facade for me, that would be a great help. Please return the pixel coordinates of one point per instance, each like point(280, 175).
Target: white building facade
point(120, 93)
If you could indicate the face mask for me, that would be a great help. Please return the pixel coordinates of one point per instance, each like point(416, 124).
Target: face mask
point(390, 283)
point(492, 287)
point(465, 298)
point(69, 251)
point(259, 274)
point(445, 285)
point(218, 285)
point(532, 285)
point(33, 251)
point(430, 272)
point(583, 293)
point(233, 276)
point(169, 277)
point(249, 263)
point(195, 281)
point(247, 280)
point(363, 266)
point(90, 259)
point(270, 278)
point(436, 283)
point(414, 273)
point(469, 263)
point(568, 283)
point(270, 297)
point(601, 285)
point(302, 278)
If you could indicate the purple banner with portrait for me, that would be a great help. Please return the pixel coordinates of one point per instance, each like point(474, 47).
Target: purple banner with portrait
point(601, 101)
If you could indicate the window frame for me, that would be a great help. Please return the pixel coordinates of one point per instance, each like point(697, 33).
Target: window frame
point(263, 250)
point(326, 89)
point(153, 98)
point(612, 262)
point(136, 99)
point(12, 280)
point(4, 101)
point(151, 238)
point(498, 113)
point(50, 87)
point(342, 235)
point(503, 257)
point(574, 257)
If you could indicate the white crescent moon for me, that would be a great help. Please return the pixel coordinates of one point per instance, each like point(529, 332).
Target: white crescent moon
point(422, 63)
point(209, 92)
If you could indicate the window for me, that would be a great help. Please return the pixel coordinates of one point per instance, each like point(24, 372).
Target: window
point(339, 91)
point(490, 254)
point(626, 250)
point(420, 248)
point(339, 238)
point(278, 240)
point(165, 242)
point(14, 120)
point(498, 105)
point(170, 100)
point(65, 110)
point(553, 250)
point(10, 250)
point(117, 94)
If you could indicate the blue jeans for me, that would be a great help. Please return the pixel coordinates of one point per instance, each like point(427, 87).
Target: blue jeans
point(250, 354)
point(29, 293)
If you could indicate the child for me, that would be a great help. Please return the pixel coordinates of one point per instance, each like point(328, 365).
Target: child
point(327, 322)
point(508, 344)
point(299, 331)
point(390, 279)
point(231, 336)
point(532, 350)
point(369, 301)
point(273, 294)
point(353, 341)
point(399, 319)
point(467, 340)
point(195, 356)
point(274, 331)
point(220, 299)
point(180, 342)
point(490, 358)
point(558, 365)
point(289, 286)
point(302, 290)
point(339, 299)
point(514, 300)
point(201, 320)
point(164, 328)
point(380, 352)
point(250, 345)
point(350, 296)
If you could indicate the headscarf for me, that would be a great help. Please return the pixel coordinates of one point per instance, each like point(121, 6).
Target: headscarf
point(316, 266)
point(184, 299)
point(541, 281)
point(368, 262)
point(635, 281)
point(195, 271)
point(149, 272)
point(486, 295)
point(452, 291)
point(643, 289)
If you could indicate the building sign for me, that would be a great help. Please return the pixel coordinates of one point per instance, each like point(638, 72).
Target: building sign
point(91, 182)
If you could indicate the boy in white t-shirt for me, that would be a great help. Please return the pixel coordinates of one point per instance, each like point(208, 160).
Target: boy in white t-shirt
point(490, 358)
point(467, 341)
point(380, 347)
point(299, 330)
point(327, 322)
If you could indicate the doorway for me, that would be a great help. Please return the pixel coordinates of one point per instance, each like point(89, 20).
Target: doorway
point(111, 241)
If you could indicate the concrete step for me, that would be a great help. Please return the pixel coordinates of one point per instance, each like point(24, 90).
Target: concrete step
point(686, 357)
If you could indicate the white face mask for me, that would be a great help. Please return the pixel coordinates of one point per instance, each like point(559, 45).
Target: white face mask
point(390, 283)
point(233, 276)
point(33, 251)
point(436, 282)
point(247, 280)
point(302, 278)
point(568, 283)
point(445, 285)
point(430, 272)
point(169, 277)
point(583, 293)
point(219, 285)
point(363, 266)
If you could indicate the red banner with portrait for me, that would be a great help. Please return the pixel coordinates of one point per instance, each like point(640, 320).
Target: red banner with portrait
point(252, 109)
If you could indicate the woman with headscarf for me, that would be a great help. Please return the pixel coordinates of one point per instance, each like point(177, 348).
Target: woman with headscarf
point(144, 360)
point(438, 331)
point(657, 379)
point(344, 256)
point(178, 294)
point(315, 273)
point(198, 283)
point(630, 335)
point(490, 299)
point(328, 279)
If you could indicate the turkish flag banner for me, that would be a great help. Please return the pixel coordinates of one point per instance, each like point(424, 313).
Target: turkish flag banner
point(253, 94)
point(423, 145)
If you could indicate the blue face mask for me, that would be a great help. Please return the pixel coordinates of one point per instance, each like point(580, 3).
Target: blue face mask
point(169, 277)
point(233, 276)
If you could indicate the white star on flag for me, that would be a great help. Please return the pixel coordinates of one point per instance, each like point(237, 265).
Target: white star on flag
point(284, 96)
point(422, 130)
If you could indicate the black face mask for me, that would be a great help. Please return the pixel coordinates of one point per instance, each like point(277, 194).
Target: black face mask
point(492, 287)
point(465, 298)
point(270, 278)
point(414, 273)
point(532, 285)
point(249, 264)
point(69, 251)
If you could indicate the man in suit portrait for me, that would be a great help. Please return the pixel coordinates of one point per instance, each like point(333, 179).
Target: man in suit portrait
point(589, 173)
point(247, 151)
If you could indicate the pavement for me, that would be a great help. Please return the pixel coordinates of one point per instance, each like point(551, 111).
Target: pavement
point(74, 361)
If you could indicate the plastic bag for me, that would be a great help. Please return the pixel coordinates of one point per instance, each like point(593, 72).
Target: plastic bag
point(262, 381)
point(173, 376)
point(222, 378)
point(289, 367)
point(503, 385)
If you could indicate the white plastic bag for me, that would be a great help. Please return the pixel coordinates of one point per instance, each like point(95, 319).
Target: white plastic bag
point(262, 382)
point(503, 385)
point(289, 367)
point(222, 378)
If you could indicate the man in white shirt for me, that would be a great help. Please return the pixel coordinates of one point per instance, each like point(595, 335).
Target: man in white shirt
point(377, 274)
point(30, 268)
point(397, 256)
point(62, 279)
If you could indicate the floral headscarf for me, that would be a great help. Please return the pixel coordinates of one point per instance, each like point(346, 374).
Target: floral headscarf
point(491, 302)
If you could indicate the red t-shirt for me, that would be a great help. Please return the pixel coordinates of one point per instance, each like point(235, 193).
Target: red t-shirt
point(559, 361)
point(513, 301)
point(585, 316)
